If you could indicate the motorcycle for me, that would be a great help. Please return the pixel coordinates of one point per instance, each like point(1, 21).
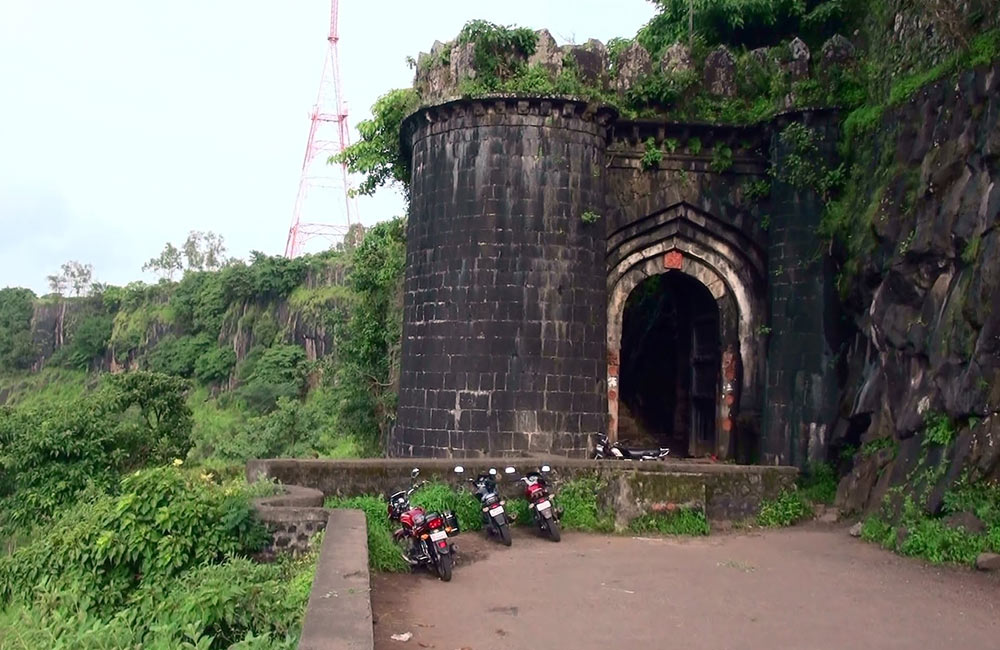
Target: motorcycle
point(427, 531)
point(495, 520)
point(540, 502)
point(604, 448)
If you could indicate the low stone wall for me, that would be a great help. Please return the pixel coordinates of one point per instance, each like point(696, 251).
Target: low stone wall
point(725, 492)
point(339, 615)
point(293, 517)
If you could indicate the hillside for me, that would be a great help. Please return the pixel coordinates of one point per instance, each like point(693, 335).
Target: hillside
point(283, 357)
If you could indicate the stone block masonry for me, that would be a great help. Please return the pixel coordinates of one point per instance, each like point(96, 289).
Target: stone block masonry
point(504, 331)
point(726, 492)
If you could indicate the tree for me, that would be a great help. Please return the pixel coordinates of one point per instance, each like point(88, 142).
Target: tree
point(17, 349)
point(204, 251)
point(376, 155)
point(57, 283)
point(167, 263)
point(78, 276)
point(75, 275)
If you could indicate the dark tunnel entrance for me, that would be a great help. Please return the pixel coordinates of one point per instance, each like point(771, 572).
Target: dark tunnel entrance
point(670, 359)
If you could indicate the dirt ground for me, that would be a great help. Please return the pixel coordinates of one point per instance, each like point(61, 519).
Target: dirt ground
point(805, 588)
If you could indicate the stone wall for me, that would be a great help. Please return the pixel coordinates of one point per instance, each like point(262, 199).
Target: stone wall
point(503, 328)
point(695, 203)
point(725, 492)
point(293, 517)
point(803, 338)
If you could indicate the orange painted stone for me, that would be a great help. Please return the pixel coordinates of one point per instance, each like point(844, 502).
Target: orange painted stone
point(673, 260)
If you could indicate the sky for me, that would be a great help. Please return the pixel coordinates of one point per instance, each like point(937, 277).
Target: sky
point(125, 124)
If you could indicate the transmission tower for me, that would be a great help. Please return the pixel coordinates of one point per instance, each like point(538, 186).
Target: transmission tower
point(324, 208)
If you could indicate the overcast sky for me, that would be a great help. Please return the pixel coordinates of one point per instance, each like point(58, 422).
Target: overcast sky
point(127, 123)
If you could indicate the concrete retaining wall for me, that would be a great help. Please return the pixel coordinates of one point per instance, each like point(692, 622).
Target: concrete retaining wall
point(726, 492)
point(339, 615)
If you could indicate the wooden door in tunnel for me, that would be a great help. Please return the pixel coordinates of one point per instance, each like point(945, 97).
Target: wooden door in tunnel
point(670, 359)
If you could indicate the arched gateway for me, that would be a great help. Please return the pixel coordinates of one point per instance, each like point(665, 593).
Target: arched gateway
point(559, 286)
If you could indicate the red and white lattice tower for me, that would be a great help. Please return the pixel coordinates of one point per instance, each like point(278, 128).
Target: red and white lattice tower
point(324, 208)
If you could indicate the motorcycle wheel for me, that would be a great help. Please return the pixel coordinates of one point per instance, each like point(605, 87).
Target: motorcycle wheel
point(444, 566)
point(504, 532)
point(554, 531)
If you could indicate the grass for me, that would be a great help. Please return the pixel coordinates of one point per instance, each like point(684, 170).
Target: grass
point(683, 521)
point(46, 387)
point(578, 498)
point(383, 552)
point(819, 483)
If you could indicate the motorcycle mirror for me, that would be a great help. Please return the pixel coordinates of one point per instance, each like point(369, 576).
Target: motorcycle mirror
point(545, 468)
point(459, 469)
point(493, 471)
point(415, 472)
point(508, 470)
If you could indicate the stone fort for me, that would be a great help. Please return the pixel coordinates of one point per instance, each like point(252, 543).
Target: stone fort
point(559, 283)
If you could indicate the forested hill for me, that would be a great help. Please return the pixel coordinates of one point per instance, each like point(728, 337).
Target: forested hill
point(282, 356)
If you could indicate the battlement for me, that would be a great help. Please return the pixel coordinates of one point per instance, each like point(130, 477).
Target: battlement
point(451, 70)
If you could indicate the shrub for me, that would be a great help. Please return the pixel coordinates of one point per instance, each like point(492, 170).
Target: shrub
point(161, 524)
point(17, 350)
point(177, 356)
point(215, 365)
point(49, 454)
point(89, 341)
point(237, 604)
point(789, 508)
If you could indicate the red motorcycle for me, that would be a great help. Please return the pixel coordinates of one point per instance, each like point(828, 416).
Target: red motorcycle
point(428, 532)
point(541, 504)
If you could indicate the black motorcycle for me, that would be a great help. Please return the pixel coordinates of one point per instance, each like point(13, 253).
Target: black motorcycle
point(495, 521)
point(604, 448)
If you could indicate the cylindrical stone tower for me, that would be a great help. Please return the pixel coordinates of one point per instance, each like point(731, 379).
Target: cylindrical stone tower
point(503, 317)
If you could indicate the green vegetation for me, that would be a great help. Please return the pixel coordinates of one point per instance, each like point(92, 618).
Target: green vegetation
point(159, 564)
point(376, 155)
point(969, 519)
point(16, 347)
point(934, 539)
point(819, 483)
point(789, 508)
point(383, 553)
point(50, 455)
point(652, 156)
point(581, 511)
point(589, 217)
point(940, 429)
point(682, 521)
point(872, 447)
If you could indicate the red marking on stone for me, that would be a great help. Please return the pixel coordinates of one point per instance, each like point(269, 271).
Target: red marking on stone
point(673, 260)
point(612, 370)
point(727, 425)
point(730, 399)
point(613, 395)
